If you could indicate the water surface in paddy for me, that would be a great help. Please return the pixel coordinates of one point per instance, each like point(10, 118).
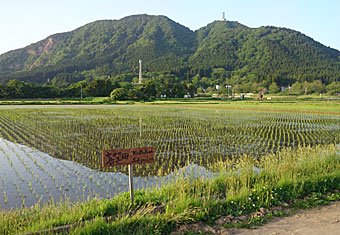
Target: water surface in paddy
point(28, 176)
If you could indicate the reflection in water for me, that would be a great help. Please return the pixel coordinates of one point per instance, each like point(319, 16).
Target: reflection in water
point(28, 176)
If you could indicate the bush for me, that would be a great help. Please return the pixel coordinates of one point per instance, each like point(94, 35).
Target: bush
point(119, 94)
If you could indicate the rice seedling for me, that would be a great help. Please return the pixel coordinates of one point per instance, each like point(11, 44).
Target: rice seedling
point(182, 136)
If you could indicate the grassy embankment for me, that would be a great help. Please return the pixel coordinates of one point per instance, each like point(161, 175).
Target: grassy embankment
point(285, 178)
point(205, 99)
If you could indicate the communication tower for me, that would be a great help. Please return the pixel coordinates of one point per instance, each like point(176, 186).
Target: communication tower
point(140, 72)
point(223, 17)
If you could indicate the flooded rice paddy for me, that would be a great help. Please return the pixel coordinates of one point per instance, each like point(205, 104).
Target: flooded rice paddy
point(29, 176)
point(54, 152)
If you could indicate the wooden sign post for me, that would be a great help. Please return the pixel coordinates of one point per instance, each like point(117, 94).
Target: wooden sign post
point(116, 157)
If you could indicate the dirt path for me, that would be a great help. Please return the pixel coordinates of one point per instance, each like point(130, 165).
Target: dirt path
point(322, 220)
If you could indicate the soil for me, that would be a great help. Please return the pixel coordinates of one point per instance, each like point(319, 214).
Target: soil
point(323, 220)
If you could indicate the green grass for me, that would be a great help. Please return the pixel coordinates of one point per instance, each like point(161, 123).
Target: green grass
point(268, 98)
point(327, 106)
point(57, 101)
point(301, 177)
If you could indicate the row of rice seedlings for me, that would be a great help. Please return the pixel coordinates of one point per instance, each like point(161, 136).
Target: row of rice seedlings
point(32, 187)
point(29, 180)
point(81, 139)
point(5, 153)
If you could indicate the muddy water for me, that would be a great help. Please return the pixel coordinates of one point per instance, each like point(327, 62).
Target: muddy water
point(28, 176)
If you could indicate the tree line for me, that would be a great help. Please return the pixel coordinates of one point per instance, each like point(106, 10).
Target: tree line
point(157, 85)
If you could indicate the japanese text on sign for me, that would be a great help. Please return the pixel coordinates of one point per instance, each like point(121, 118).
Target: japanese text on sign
point(129, 156)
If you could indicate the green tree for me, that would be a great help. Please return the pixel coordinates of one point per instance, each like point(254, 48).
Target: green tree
point(191, 89)
point(316, 87)
point(76, 89)
point(333, 88)
point(47, 91)
point(246, 87)
point(197, 80)
point(296, 89)
point(16, 89)
point(99, 87)
point(150, 88)
point(137, 93)
point(273, 88)
point(3, 93)
point(205, 82)
point(257, 88)
point(119, 94)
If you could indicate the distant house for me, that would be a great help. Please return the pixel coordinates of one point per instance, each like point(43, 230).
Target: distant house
point(218, 87)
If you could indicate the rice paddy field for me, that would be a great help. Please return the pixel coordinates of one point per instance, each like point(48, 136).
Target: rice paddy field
point(55, 152)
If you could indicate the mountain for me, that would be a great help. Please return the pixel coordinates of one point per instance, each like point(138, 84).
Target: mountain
point(115, 46)
point(277, 53)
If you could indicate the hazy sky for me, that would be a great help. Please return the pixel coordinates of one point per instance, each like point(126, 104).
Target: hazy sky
point(23, 22)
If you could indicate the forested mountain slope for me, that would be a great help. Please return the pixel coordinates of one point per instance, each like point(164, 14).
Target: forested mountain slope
point(115, 46)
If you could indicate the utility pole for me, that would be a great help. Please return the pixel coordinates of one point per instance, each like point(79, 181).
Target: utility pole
point(130, 167)
point(228, 86)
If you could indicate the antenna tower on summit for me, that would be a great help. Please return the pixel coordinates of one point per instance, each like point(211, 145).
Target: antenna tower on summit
point(223, 17)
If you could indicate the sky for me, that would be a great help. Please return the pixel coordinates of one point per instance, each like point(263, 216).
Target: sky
point(23, 22)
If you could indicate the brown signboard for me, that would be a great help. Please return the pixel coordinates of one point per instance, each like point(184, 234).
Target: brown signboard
point(116, 157)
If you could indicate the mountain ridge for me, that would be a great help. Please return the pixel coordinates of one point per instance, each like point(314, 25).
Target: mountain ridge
point(165, 45)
